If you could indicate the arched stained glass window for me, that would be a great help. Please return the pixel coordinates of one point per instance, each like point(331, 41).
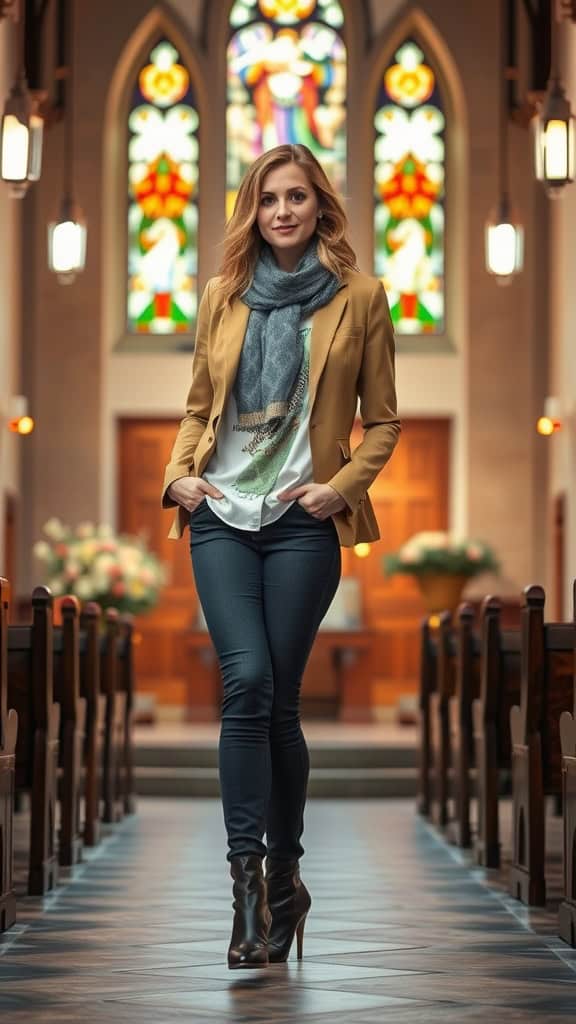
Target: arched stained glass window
point(286, 84)
point(409, 191)
point(163, 197)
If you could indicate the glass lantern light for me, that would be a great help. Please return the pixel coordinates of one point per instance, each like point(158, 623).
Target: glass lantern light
point(67, 232)
point(21, 128)
point(67, 242)
point(504, 242)
point(553, 137)
point(503, 231)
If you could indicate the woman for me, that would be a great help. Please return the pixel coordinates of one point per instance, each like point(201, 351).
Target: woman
point(289, 335)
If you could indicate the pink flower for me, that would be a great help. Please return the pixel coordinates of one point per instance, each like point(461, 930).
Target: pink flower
point(474, 552)
point(119, 589)
point(107, 545)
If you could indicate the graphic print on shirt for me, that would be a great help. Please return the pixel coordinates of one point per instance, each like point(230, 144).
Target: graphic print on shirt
point(269, 445)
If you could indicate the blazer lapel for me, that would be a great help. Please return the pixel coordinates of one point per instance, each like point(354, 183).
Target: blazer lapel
point(231, 332)
point(325, 322)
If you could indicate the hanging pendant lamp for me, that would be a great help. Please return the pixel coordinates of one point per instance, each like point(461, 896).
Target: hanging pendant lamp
point(67, 232)
point(21, 128)
point(553, 126)
point(504, 232)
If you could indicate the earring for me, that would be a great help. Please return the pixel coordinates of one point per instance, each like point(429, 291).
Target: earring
point(320, 215)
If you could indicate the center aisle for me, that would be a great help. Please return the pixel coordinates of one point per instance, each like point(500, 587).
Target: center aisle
point(398, 931)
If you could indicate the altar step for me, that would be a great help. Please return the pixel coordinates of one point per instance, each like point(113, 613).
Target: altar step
point(336, 770)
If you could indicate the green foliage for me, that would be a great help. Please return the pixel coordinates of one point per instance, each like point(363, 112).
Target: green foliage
point(439, 552)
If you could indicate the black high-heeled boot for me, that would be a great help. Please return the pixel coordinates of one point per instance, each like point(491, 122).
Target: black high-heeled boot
point(289, 902)
point(248, 945)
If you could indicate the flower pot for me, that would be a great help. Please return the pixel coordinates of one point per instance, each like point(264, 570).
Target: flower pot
point(442, 591)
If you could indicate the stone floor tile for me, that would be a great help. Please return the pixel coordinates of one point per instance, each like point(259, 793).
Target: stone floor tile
point(403, 929)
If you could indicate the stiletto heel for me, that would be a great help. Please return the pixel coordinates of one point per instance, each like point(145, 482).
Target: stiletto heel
point(300, 937)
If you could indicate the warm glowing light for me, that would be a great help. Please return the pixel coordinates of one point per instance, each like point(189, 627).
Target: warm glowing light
point(547, 426)
point(67, 244)
point(554, 140)
point(22, 425)
point(15, 142)
point(362, 550)
point(434, 621)
point(556, 145)
point(21, 132)
point(504, 243)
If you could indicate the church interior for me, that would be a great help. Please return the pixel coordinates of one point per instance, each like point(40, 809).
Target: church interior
point(439, 699)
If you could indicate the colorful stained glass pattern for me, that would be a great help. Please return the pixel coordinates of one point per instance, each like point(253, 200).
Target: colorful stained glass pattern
point(163, 197)
point(286, 84)
point(409, 192)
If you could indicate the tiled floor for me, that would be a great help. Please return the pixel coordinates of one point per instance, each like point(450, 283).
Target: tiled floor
point(400, 930)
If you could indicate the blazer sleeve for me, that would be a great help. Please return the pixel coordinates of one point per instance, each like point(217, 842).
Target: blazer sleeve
point(378, 406)
point(198, 404)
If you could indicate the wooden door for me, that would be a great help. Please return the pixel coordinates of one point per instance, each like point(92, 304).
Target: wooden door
point(411, 494)
point(177, 672)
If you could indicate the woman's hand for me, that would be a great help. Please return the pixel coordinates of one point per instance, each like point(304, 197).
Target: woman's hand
point(320, 500)
point(189, 491)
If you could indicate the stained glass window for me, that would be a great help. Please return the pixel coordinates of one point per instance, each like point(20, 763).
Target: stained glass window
point(163, 197)
point(409, 192)
point(286, 84)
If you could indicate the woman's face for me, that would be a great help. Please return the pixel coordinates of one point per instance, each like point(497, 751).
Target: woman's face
point(287, 213)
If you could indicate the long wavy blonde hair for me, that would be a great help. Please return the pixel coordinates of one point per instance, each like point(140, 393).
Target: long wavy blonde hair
point(242, 240)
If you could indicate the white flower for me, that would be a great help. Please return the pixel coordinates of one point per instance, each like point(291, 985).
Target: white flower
point(72, 568)
point(104, 562)
point(105, 530)
point(85, 530)
point(409, 555)
point(56, 587)
point(42, 550)
point(54, 528)
point(84, 588)
point(434, 540)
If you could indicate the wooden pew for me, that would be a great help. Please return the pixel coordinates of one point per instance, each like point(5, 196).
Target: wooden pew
point(567, 911)
point(30, 693)
point(499, 690)
point(125, 683)
point(440, 748)
point(428, 659)
point(8, 736)
point(467, 685)
point(66, 638)
point(90, 619)
point(546, 690)
point(115, 717)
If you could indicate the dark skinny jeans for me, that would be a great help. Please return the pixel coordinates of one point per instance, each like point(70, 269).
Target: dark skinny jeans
point(263, 594)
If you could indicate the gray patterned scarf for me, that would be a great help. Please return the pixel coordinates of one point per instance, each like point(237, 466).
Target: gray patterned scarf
point(272, 352)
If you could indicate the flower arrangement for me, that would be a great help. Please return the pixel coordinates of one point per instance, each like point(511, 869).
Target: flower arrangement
point(440, 552)
point(95, 565)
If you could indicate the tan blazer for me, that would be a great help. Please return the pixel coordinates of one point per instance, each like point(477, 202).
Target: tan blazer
point(351, 356)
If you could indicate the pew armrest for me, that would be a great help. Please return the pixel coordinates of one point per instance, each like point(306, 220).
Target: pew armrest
point(568, 734)
point(517, 731)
